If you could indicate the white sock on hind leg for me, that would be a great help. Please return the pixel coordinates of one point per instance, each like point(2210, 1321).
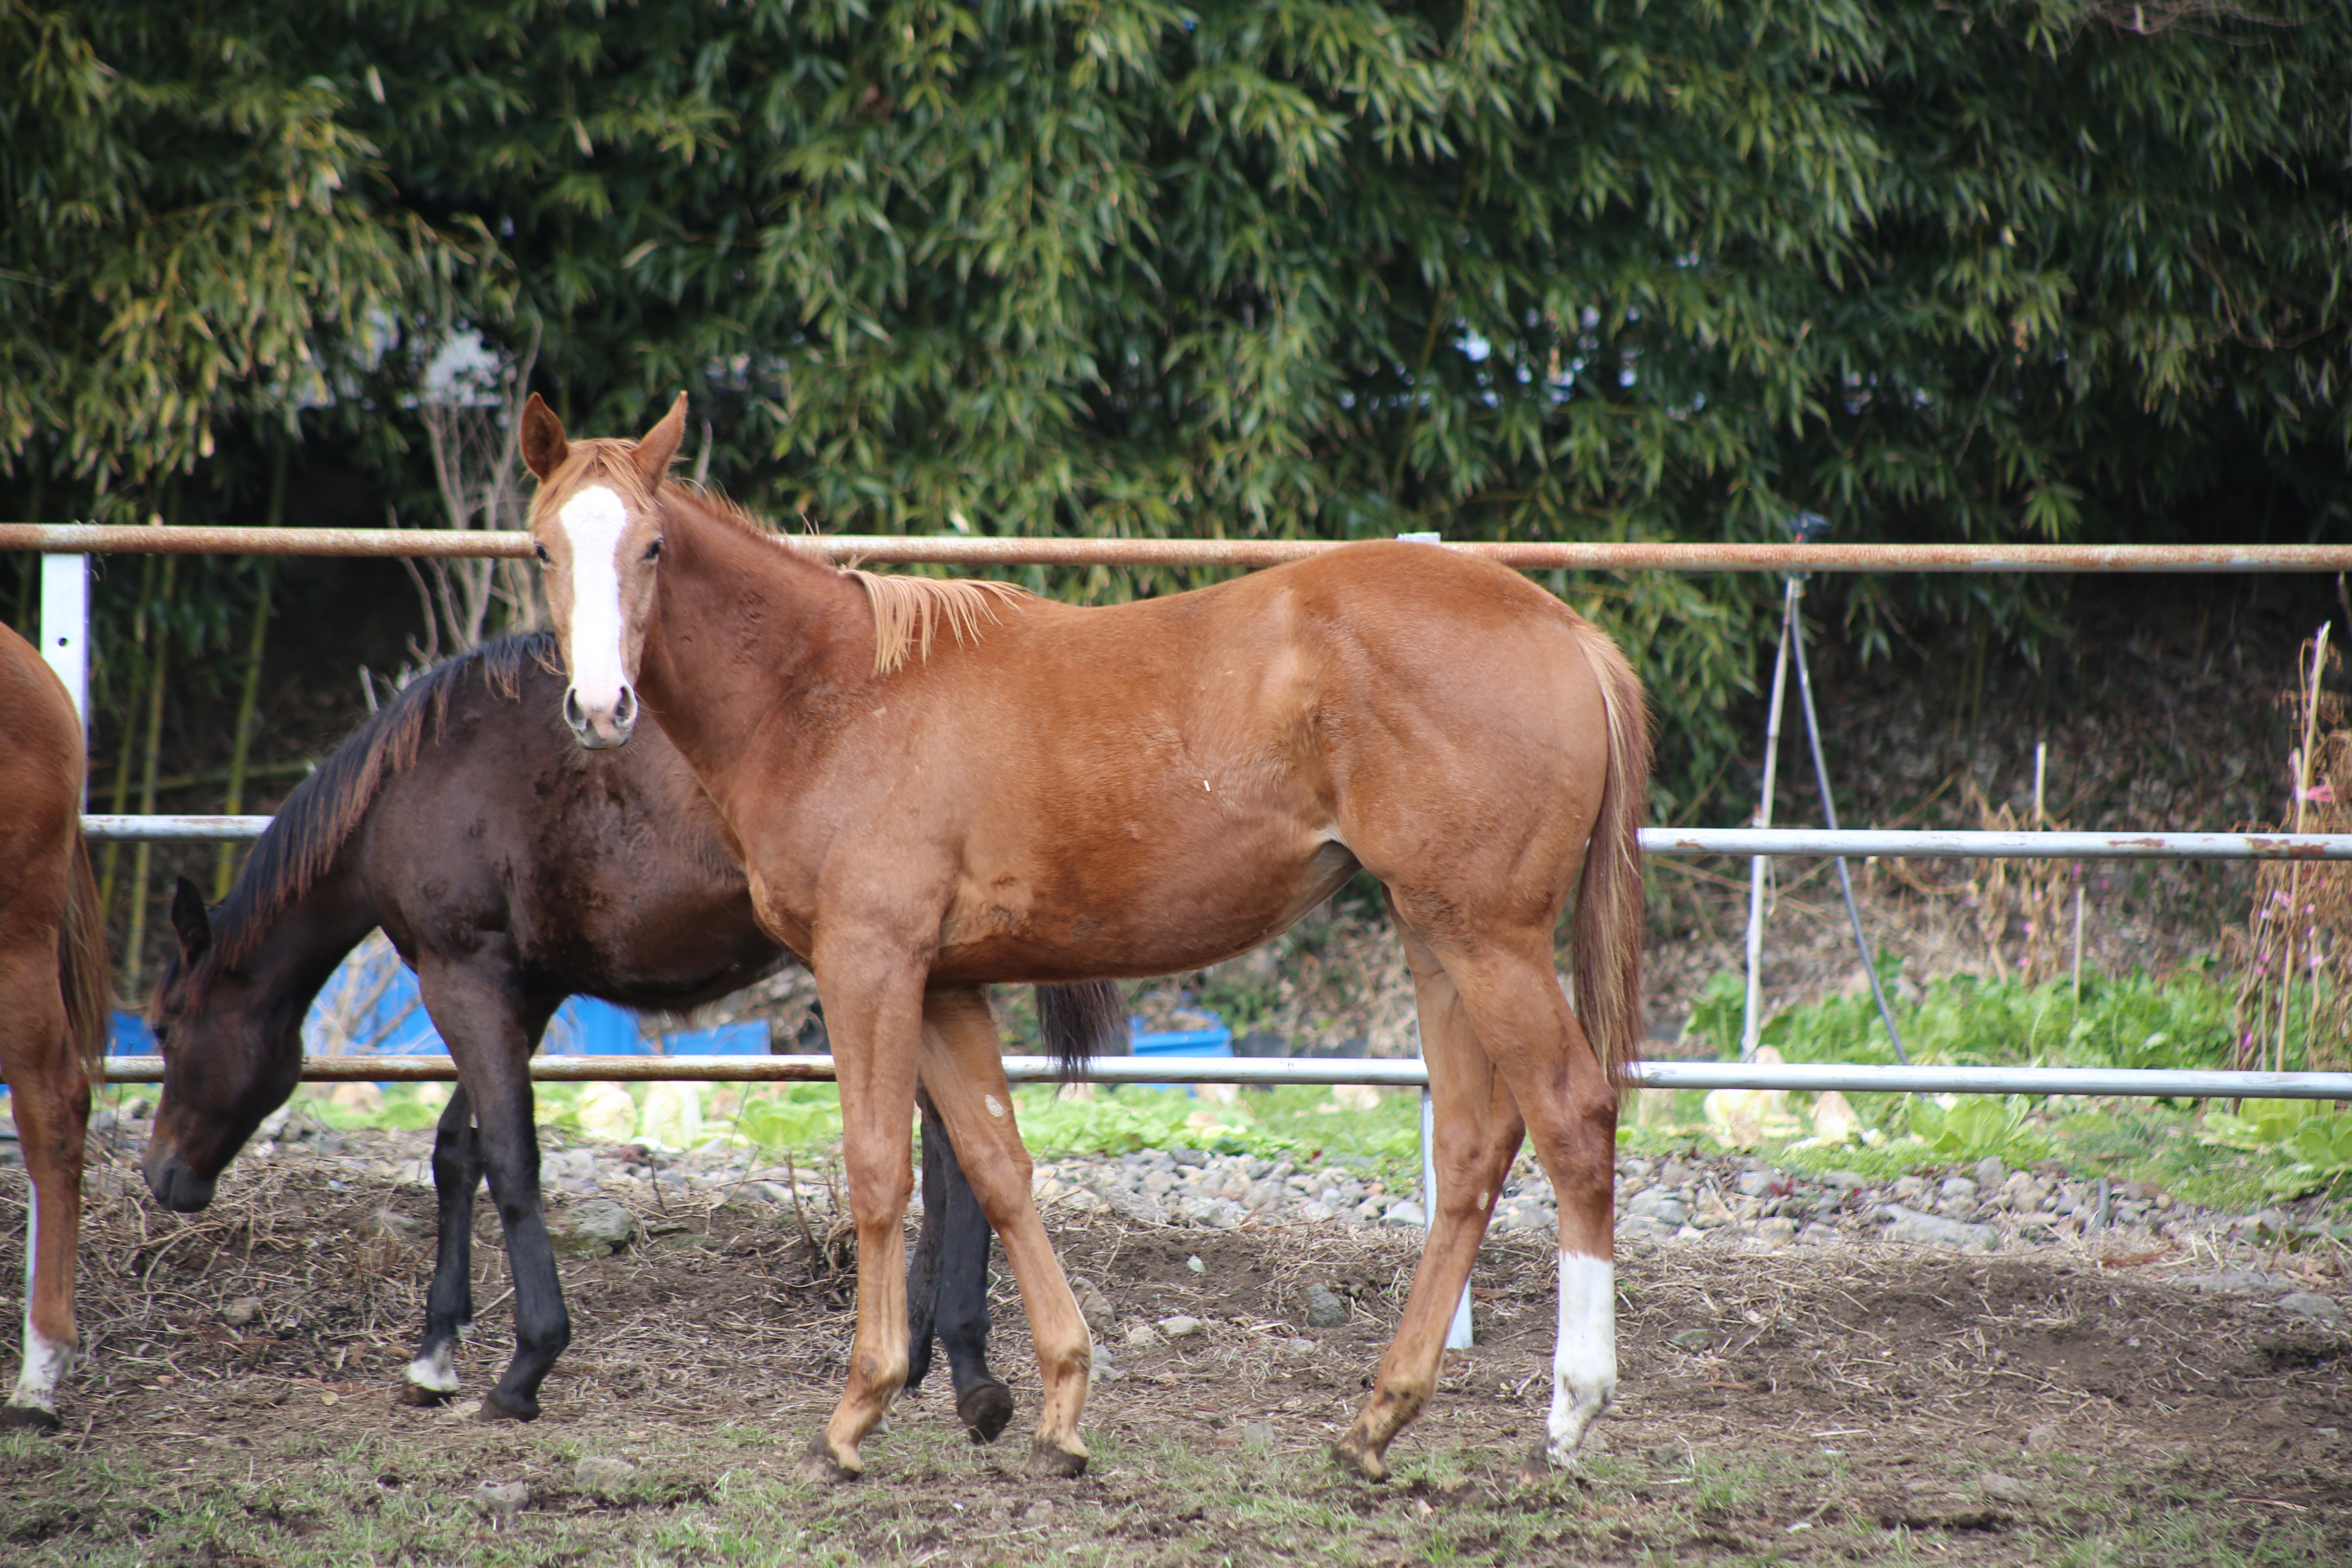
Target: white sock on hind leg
point(1584, 1364)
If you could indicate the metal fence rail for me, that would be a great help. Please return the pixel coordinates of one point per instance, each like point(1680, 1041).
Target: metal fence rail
point(966, 549)
point(1396, 1073)
point(1853, 843)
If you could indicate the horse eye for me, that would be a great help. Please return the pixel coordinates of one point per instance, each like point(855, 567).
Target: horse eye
point(539, 550)
point(653, 551)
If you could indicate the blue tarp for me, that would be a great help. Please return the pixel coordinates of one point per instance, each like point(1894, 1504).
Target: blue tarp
point(749, 1040)
point(390, 1017)
point(1216, 1040)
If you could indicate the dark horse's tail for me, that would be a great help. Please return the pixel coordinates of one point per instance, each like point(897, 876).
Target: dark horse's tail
point(1079, 1022)
point(85, 977)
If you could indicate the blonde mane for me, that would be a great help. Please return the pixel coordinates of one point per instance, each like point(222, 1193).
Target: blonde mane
point(908, 612)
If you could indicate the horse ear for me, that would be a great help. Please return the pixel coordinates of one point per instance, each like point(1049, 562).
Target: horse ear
point(659, 445)
point(543, 446)
point(189, 919)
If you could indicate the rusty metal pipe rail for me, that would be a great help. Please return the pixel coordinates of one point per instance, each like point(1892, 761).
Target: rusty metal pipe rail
point(963, 549)
point(1852, 842)
point(1390, 1073)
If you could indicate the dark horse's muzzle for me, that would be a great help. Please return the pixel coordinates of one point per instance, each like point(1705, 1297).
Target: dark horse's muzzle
point(175, 1186)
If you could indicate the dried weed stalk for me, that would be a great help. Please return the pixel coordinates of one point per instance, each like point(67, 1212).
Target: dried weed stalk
point(2295, 951)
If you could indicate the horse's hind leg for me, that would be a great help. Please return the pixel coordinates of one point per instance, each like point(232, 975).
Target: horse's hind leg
point(946, 1285)
point(1476, 1134)
point(51, 1095)
point(475, 1005)
point(966, 1076)
point(1543, 1057)
point(449, 1304)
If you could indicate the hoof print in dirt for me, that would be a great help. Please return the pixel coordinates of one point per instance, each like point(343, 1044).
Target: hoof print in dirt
point(986, 1409)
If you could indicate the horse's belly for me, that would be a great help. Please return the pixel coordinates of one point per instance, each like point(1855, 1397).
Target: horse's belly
point(1165, 915)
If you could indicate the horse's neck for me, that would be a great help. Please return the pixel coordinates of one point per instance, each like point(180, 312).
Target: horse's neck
point(298, 952)
point(742, 625)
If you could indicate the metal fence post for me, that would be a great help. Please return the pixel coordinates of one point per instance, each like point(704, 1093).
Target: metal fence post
point(1457, 1335)
point(65, 625)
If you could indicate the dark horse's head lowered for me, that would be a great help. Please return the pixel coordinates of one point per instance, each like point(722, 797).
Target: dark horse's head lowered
point(250, 1062)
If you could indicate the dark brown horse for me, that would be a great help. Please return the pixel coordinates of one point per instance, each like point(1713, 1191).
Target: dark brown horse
point(1040, 792)
point(53, 1000)
point(512, 871)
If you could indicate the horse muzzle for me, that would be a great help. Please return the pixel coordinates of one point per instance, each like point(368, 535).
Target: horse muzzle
point(175, 1186)
point(601, 727)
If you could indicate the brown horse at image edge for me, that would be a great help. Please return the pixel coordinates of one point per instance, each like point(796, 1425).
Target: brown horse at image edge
point(54, 985)
point(935, 787)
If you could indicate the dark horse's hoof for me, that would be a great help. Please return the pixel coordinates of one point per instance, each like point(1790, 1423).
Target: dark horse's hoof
point(496, 1407)
point(986, 1408)
point(40, 1420)
point(417, 1395)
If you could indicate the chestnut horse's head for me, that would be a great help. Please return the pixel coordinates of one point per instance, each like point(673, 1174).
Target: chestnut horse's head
point(598, 538)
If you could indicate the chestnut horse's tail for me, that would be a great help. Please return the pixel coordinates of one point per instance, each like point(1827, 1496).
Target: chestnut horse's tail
point(1079, 1022)
point(1609, 903)
point(84, 974)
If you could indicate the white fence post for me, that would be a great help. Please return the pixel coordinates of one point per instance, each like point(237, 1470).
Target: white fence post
point(1457, 1335)
point(65, 625)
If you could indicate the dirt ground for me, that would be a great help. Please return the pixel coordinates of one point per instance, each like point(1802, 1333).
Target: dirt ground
point(1813, 1405)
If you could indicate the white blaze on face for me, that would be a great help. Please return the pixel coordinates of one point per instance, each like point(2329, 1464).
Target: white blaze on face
point(593, 521)
point(1584, 1364)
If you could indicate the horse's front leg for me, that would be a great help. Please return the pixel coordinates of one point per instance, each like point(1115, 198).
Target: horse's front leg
point(449, 1303)
point(477, 1004)
point(875, 1019)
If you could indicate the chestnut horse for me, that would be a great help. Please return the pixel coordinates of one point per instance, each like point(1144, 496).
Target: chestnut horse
point(54, 985)
point(1053, 792)
point(512, 871)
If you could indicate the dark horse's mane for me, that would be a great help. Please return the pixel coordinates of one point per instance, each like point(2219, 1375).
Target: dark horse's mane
point(310, 830)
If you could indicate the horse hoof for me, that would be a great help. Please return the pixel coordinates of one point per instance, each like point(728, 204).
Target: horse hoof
point(822, 1466)
point(986, 1408)
point(496, 1407)
point(1052, 1462)
point(1538, 1469)
point(417, 1395)
point(34, 1417)
point(1352, 1456)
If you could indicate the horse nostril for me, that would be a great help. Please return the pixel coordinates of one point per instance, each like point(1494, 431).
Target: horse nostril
point(625, 711)
point(573, 714)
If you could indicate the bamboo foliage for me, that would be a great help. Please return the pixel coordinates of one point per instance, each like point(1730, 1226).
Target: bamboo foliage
point(1998, 269)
